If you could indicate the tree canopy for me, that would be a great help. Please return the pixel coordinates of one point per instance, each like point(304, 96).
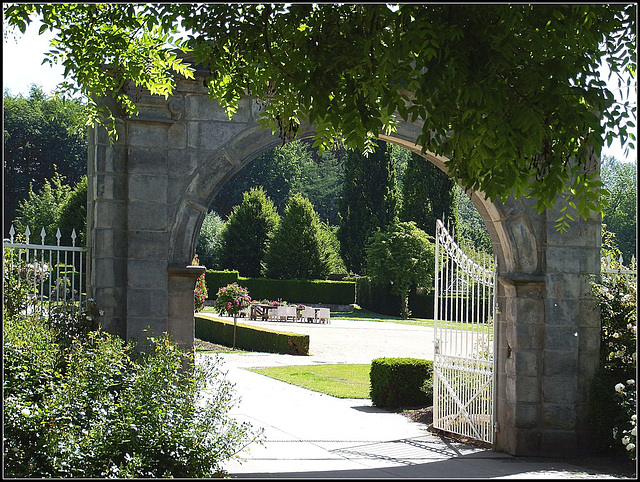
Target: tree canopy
point(42, 135)
point(369, 201)
point(509, 92)
point(620, 213)
point(401, 255)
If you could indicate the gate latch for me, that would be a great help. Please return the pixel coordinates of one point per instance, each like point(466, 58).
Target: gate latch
point(436, 346)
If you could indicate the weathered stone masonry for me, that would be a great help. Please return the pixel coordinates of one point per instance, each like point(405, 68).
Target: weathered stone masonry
point(149, 193)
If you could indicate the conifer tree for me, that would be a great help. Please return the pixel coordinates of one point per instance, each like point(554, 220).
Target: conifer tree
point(298, 249)
point(427, 194)
point(246, 234)
point(369, 201)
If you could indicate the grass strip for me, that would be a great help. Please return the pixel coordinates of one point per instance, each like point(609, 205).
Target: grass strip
point(338, 380)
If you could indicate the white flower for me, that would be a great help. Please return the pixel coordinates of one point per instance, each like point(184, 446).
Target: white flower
point(631, 382)
point(633, 417)
point(616, 335)
point(615, 432)
point(619, 387)
point(626, 439)
point(25, 412)
point(633, 431)
point(630, 447)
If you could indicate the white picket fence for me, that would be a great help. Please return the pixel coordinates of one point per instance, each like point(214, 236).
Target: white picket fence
point(53, 274)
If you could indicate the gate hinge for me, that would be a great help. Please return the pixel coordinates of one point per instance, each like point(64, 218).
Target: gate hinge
point(496, 427)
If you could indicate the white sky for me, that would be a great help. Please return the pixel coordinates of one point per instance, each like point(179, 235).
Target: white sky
point(22, 65)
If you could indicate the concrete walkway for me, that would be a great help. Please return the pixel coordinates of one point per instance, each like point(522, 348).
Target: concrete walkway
point(312, 435)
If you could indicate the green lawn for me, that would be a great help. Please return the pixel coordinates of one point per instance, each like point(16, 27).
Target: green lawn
point(339, 380)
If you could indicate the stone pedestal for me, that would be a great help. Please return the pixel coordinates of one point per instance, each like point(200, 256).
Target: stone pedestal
point(180, 294)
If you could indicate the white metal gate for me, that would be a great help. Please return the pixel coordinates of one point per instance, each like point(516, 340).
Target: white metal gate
point(463, 374)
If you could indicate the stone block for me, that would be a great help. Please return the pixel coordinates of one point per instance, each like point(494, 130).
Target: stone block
point(110, 272)
point(110, 214)
point(589, 314)
point(589, 362)
point(253, 142)
point(559, 417)
point(523, 363)
point(527, 442)
point(191, 87)
point(144, 273)
point(148, 244)
point(110, 243)
point(178, 136)
point(560, 362)
point(568, 286)
point(147, 216)
point(522, 389)
point(148, 188)
point(563, 338)
point(560, 389)
point(150, 303)
point(213, 135)
point(141, 134)
point(110, 159)
point(112, 187)
point(201, 108)
point(561, 312)
point(525, 336)
point(527, 415)
point(572, 259)
point(561, 259)
point(580, 233)
point(525, 310)
point(589, 339)
point(141, 327)
point(148, 161)
point(184, 162)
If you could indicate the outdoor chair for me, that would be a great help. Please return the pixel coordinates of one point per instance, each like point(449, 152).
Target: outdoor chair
point(284, 313)
point(308, 314)
point(324, 315)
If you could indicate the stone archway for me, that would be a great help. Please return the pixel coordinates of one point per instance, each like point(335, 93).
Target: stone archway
point(149, 193)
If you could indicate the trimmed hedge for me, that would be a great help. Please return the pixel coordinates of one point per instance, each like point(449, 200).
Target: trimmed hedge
point(250, 337)
point(294, 290)
point(401, 382)
point(217, 279)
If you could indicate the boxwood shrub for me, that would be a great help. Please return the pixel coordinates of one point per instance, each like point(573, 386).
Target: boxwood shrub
point(401, 382)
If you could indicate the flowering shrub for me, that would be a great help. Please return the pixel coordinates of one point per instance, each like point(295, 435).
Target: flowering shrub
point(232, 299)
point(79, 402)
point(200, 293)
point(613, 402)
point(627, 400)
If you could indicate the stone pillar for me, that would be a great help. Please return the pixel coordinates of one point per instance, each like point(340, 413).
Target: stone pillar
point(107, 227)
point(181, 284)
point(147, 239)
point(548, 331)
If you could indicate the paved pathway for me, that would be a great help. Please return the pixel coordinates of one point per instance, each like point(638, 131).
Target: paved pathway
point(312, 435)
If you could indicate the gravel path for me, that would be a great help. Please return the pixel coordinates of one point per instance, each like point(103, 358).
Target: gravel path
point(349, 341)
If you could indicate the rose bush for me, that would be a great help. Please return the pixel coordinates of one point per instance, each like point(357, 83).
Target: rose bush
point(613, 389)
point(232, 299)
